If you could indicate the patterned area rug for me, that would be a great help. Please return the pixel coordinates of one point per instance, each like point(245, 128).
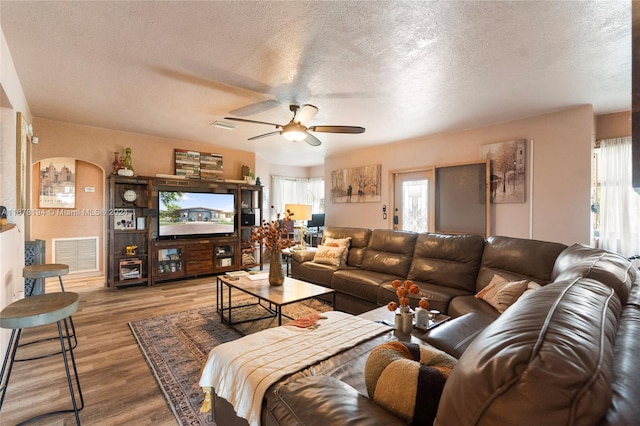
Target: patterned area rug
point(177, 345)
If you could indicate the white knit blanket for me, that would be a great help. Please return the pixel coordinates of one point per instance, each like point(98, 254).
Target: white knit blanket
point(241, 371)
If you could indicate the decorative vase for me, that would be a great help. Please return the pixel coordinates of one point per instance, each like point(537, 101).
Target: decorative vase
point(276, 276)
point(422, 318)
point(127, 159)
point(116, 163)
point(404, 321)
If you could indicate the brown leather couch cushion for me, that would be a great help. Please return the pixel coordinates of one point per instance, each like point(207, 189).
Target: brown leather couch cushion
point(447, 260)
point(312, 400)
point(609, 268)
point(389, 252)
point(546, 360)
point(359, 241)
point(517, 259)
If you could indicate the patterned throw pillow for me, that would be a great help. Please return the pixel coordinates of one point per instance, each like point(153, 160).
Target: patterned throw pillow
point(328, 255)
point(501, 293)
point(407, 379)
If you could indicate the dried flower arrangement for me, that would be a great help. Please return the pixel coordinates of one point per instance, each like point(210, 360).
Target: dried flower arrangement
point(272, 235)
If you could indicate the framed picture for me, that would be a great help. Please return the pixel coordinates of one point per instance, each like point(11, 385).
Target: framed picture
point(507, 170)
point(124, 219)
point(21, 162)
point(356, 185)
point(57, 183)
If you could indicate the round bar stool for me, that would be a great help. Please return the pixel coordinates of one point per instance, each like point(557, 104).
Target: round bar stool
point(49, 270)
point(46, 270)
point(35, 311)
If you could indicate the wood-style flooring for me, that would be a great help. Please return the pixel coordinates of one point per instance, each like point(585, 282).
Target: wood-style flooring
point(118, 386)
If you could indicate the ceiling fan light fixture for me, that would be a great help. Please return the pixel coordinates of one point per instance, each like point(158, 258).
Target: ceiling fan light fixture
point(294, 135)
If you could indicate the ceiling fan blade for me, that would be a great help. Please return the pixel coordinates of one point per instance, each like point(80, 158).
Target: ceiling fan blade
point(277, 132)
point(337, 129)
point(256, 108)
point(312, 140)
point(305, 113)
point(244, 120)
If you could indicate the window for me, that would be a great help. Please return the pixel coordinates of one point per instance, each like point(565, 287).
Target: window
point(291, 190)
point(616, 206)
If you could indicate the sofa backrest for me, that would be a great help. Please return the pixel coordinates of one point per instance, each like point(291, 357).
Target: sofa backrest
point(547, 360)
point(448, 260)
point(359, 241)
point(389, 252)
point(518, 259)
point(610, 268)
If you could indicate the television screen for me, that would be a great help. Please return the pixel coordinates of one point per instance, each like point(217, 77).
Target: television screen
point(195, 214)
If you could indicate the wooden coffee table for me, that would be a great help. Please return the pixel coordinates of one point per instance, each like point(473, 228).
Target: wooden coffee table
point(270, 298)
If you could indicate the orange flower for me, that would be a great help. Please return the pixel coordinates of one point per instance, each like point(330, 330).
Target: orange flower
point(424, 303)
point(402, 291)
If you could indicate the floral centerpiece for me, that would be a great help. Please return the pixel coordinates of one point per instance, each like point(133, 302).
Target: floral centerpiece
point(275, 238)
point(403, 319)
point(402, 291)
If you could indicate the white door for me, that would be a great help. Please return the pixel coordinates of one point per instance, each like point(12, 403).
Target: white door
point(413, 201)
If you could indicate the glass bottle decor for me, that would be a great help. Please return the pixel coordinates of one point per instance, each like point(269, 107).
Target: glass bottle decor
point(116, 163)
point(127, 158)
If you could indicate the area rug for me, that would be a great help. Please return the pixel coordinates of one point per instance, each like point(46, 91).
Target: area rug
point(176, 346)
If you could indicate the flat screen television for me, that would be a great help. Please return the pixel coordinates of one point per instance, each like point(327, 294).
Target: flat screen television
point(195, 214)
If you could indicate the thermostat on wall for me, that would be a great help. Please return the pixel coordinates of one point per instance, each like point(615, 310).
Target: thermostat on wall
point(89, 189)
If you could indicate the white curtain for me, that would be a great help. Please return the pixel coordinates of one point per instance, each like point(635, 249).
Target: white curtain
point(289, 190)
point(620, 204)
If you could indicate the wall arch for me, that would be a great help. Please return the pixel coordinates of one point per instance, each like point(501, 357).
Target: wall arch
point(86, 219)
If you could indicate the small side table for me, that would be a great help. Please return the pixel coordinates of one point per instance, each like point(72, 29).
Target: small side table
point(35, 311)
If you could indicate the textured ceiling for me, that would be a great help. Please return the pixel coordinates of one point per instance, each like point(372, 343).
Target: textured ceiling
point(399, 69)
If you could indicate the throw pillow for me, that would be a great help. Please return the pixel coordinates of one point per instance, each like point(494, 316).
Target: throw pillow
point(531, 287)
point(407, 379)
point(500, 293)
point(344, 242)
point(330, 255)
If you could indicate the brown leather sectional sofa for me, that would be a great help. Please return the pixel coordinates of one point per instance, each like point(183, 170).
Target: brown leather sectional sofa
point(565, 354)
point(449, 269)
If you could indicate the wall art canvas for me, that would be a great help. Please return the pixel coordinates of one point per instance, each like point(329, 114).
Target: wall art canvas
point(508, 170)
point(57, 183)
point(356, 185)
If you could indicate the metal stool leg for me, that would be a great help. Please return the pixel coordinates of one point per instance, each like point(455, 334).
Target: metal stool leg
point(73, 327)
point(76, 409)
point(9, 357)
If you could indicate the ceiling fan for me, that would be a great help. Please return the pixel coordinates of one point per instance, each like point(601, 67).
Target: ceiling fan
point(296, 130)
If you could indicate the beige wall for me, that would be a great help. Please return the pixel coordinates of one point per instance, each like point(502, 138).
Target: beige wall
point(150, 154)
point(62, 223)
point(561, 152)
point(12, 100)
point(613, 125)
point(94, 148)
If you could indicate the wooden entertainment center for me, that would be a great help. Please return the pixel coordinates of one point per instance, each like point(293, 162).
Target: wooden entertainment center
point(138, 255)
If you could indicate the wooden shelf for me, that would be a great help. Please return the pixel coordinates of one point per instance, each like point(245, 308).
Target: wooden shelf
point(197, 256)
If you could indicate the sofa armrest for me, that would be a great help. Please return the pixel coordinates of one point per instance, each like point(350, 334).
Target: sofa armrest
point(302, 256)
point(324, 400)
point(454, 336)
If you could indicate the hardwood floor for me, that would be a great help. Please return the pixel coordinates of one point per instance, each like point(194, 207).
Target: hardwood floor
point(117, 384)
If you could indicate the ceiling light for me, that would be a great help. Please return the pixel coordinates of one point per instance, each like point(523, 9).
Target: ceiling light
point(294, 132)
point(223, 125)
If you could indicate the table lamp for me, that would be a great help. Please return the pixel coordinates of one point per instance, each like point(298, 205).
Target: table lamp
point(299, 213)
